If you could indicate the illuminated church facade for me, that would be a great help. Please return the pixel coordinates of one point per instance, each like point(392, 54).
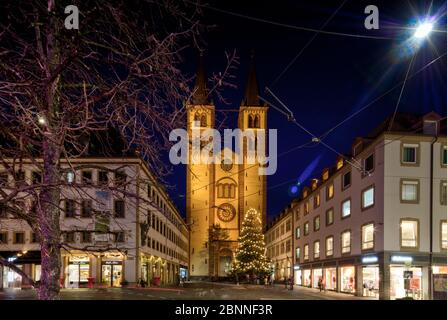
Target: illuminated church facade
point(219, 194)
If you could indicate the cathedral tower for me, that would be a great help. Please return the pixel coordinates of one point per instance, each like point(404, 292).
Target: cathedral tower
point(219, 195)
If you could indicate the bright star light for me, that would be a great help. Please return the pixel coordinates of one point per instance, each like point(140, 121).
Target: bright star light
point(423, 30)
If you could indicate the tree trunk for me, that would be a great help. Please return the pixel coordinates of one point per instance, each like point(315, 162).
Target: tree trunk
point(49, 225)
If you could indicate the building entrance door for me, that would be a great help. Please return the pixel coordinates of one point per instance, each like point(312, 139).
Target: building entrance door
point(112, 274)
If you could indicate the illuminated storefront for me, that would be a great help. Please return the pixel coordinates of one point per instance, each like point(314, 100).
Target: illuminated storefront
point(298, 276)
point(370, 277)
point(405, 282)
point(78, 270)
point(307, 277)
point(347, 279)
point(317, 274)
point(330, 278)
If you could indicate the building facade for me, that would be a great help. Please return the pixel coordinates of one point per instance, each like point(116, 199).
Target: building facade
point(219, 194)
point(376, 223)
point(108, 238)
point(279, 242)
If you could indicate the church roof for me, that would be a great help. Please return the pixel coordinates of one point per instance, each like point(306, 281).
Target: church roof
point(252, 88)
point(200, 92)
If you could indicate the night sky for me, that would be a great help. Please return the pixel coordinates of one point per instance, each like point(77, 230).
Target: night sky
point(334, 77)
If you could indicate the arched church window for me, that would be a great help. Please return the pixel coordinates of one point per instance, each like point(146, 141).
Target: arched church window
point(250, 121)
point(203, 121)
point(226, 188)
point(196, 117)
point(257, 122)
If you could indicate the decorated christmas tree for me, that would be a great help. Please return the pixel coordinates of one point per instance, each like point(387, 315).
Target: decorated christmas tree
point(250, 256)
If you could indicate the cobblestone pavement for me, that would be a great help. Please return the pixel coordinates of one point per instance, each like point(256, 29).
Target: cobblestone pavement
point(193, 291)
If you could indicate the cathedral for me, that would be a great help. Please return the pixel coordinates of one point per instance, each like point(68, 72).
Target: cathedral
point(219, 195)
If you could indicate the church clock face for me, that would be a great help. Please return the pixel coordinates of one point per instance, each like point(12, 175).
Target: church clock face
point(226, 212)
point(226, 164)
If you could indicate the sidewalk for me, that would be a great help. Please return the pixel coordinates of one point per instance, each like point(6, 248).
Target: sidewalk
point(328, 293)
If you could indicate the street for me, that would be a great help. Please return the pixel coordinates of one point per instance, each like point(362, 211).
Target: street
point(191, 291)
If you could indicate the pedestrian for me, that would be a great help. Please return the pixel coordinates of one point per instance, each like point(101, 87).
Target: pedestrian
point(320, 284)
point(291, 283)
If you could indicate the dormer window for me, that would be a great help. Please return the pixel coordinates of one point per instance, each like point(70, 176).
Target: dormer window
point(340, 163)
point(325, 175)
point(430, 127)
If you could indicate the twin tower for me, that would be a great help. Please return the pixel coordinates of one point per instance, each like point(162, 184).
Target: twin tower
point(219, 195)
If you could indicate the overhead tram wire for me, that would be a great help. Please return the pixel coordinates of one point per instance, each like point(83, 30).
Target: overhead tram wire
point(324, 135)
point(289, 26)
point(314, 137)
point(401, 91)
point(308, 43)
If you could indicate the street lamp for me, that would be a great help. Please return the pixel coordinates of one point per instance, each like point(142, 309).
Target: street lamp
point(423, 30)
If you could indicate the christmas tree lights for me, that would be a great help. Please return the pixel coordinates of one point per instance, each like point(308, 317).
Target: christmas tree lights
point(250, 255)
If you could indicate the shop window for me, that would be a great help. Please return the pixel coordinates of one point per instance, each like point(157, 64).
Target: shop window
point(346, 180)
point(346, 208)
point(3, 237)
point(70, 208)
point(306, 228)
point(317, 223)
point(306, 252)
point(369, 164)
point(119, 209)
point(87, 177)
point(86, 237)
point(346, 242)
point(409, 229)
point(409, 153)
point(86, 209)
point(330, 216)
point(330, 191)
point(444, 192)
point(368, 236)
point(444, 235)
point(368, 198)
point(317, 250)
point(330, 246)
point(409, 191)
point(347, 280)
point(298, 232)
point(103, 178)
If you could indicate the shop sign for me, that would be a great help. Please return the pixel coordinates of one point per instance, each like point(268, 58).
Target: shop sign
point(112, 262)
point(402, 259)
point(296, 267)
point(370, 259)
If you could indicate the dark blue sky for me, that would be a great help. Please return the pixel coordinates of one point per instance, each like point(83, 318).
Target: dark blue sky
point(333, 78)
